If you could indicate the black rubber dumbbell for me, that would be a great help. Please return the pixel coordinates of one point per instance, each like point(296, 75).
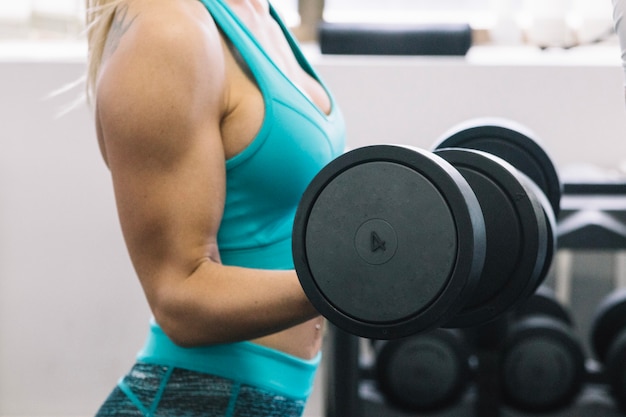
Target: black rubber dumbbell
point(543, 363)
point(390, 241)
point(424, 372)
point(511, 166)
point(608, 342)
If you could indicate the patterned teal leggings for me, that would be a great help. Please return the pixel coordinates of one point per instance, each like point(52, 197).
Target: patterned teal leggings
point(153, 391)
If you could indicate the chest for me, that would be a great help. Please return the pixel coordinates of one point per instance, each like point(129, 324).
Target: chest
point(245, 111)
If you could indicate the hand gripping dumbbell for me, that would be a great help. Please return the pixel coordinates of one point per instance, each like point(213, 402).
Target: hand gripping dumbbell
point(389, 241)
point(543, 363)
point(608, 342)
point(424, 372)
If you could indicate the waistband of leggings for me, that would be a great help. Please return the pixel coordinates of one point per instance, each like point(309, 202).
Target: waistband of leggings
point(245, 362)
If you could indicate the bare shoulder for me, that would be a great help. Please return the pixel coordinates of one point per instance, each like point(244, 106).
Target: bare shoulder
point(165, 29)
point(163, 62)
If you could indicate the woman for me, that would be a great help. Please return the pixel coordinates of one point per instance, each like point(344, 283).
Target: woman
point(212, 124)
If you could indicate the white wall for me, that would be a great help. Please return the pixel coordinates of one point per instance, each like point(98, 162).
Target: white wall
point(72, 314)
point(573, 100)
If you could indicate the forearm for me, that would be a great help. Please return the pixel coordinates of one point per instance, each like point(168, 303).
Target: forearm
point(221, 304)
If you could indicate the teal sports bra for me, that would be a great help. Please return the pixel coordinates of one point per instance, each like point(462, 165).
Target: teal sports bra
point(264, 183)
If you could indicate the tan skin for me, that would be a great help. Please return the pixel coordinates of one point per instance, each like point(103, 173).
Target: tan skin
point(172, 104)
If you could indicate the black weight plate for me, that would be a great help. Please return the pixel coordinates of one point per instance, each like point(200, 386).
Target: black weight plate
point(386, 240)
point(608, 321)
point(543, 365)
point(544, 303)
point(616, 369)
point(424, 372)
point(516, 236)
point(515, 144)
point(551, 227)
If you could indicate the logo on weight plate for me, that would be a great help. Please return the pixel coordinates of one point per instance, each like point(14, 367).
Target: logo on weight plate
point(376, 241)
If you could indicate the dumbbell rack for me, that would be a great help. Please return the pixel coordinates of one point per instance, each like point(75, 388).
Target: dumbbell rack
point(351, 387)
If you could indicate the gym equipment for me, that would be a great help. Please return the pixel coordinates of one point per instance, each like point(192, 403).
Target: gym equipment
point(514, 143)
point(389, 241)
point(608, 342)
point(353, 389)
point(395, 39)
point(516, 230)
point(519, 147)
point(424, 372)
point(593, 216)
point(543, 363)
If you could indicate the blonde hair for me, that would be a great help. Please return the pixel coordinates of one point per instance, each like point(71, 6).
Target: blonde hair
point(98, 18)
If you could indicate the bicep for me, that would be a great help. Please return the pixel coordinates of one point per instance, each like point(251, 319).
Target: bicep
point(169, 207)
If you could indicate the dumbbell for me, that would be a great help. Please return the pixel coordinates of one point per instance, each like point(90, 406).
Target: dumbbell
point(389, 241)
point(424, 372)
point(505, 166)
point(543, 363)
point(608, 342)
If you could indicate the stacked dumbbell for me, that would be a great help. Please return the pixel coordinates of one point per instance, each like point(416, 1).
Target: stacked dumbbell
point(425, 372)
point(608, 342)
point(391, 241)
point(542, 364)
